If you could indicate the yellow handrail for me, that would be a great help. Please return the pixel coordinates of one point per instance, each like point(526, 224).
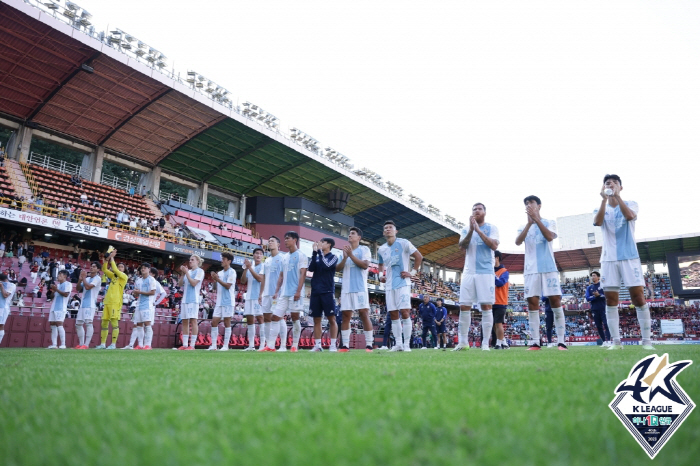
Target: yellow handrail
point(30, 178)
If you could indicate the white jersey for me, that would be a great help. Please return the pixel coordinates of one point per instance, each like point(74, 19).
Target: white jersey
point(160, 293)
point(252, 292)
point(225, 297)
point(145, 285)
point(539, 253)
point(618, 234)
point(354, 277)
point(5, 302)
point(60, 303)
point(292, 263)
point(90, 296)
point(272, 270)
point(397, 259)
point(479, 258)
point(190, 294)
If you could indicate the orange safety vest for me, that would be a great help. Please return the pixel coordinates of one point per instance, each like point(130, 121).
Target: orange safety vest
point(502, 292)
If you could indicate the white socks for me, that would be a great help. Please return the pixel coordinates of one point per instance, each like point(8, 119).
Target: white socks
point(214, 335)
point(139, 337)
point(227, 337)
point(266, 331)
point(81, 332)
point(333, 342)
point(262, 330)
point(465, 321)
point(283, 333)
point(369, 338)
point(533, 318)
point(397, 331)
point(251, 335)
point(486, 327)
point(613, 316)
point(644, 318)
point(560, 324)
point(272, 332)
point(193, 340)
point(296, 333)
point(62, 334)
point(148, 335)
point(185, 340)
point(317, 342)
point(88, 333)
point(407, 329)
point(2, 334)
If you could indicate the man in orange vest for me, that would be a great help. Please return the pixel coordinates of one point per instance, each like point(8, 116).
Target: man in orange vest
point(501, 303)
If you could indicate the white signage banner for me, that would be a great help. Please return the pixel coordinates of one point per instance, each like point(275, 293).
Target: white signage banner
point(51, 222)
point(671, 326)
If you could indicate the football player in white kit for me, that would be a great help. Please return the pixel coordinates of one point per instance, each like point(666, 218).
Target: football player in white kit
point(394, 255)
point(252, 276)
point(353, 291)
point(7, 290)
point(620, 264)
point(271, 273)
point(137, 330)
point(145, 289)
point(541, 275)
point(191, 277)
point(478, 285)
point(89, 285)
point(289, 288)
point(57, 314)
point(225, 288)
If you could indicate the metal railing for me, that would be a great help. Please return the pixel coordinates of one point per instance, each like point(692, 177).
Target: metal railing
point(165, 197)
point(61, 166)
point(118, 183)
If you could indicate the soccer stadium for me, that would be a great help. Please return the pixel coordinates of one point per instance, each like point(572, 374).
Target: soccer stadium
point(145, 213)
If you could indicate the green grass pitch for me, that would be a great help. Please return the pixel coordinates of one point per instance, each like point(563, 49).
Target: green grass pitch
point(163, 407)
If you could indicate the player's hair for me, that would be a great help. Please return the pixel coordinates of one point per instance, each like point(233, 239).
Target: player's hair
point(498, 255)
point(275, 238)
point(439, 299)
point(292, 234)
point(145, 264)
point(259, 249)
point(356, 230)
point(154, 271)
point(3, 277)
point(199, 259)
point(96, 264)
point(481, 204)
point(532, 198)
point(64, 272)
point(612, 177)
point(390, 222)
point(329, 240)
point(595, 273)
point(228, 255)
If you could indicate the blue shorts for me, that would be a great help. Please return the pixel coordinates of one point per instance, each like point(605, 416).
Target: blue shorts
point(322, 304)
point(442, 328)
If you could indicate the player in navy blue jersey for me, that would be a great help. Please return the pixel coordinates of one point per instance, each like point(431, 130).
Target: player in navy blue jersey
point(322, 301)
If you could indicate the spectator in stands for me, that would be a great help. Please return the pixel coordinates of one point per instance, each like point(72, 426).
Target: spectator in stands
point(3, 245)
point(125, 218)
point(105, 222)
point(84, 198)
point(596, 297)
point(19, 299)
point(30, 251)
point(96, 202)
point(132, 224)
point(132, 190)
point(21, 260)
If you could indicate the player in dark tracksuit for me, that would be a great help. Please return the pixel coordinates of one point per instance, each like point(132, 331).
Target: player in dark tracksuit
point(322, 301)
point(595, 296)
point(548, 318)
point(427, 313)
point(441, 324)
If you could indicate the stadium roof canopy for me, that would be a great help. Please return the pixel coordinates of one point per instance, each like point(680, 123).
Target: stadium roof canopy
point(140, 113)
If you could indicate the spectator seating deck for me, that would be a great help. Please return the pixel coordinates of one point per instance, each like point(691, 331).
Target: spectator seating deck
point(6, 188)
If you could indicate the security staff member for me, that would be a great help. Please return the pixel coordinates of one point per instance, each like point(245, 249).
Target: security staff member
point(441, 324)
point(501, 303)
point(427, 313)
point(595, 296)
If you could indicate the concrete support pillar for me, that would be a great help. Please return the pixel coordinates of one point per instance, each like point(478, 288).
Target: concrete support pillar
point(193, 196)
point(98, 163)
point(650, 267)
point(150, 182)
point(232, 207)
point(241, 210)
point(19, 146)
point(204, 187)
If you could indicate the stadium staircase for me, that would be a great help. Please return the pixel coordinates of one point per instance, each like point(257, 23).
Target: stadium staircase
point(156, 213)
point(17, 179)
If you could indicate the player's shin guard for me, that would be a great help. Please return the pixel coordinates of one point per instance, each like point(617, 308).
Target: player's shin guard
point(560, 324)
point(296, 333)
point(407, 330)
point(251, 335)
point(613, 316)
point(62, 335)
point(272, 332)
point(533, 318)
point(283, 333)
point(54, 335)
point(104, 332)
point(345, 334)
point(397, 331)
point(465, 321)
point(115, 330)
point(80, 330)
point(148, 337)
point(263, 335)
point(140, 337)
point(134, 336)
point(266, 331)
point(193, 340)
point(486, 326)
point(88, 333)
point(369, 338)
point(214, 335)
point(227, 337)
point(644, 317)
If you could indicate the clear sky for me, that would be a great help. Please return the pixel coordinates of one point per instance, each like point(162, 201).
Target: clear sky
point(466, 101)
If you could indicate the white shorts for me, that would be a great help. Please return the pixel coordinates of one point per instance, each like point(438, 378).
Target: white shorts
point(268, 304)
point(614, 274)
point(542, 284)
point(223, 312)
point(252, 308)
point(189, 311)
point(397, 299)
point(287, 305)
point(477, 288)
point(86, 314)
point(57, 316)
point(354, 301)
point(145, 315)
point(4, 313)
